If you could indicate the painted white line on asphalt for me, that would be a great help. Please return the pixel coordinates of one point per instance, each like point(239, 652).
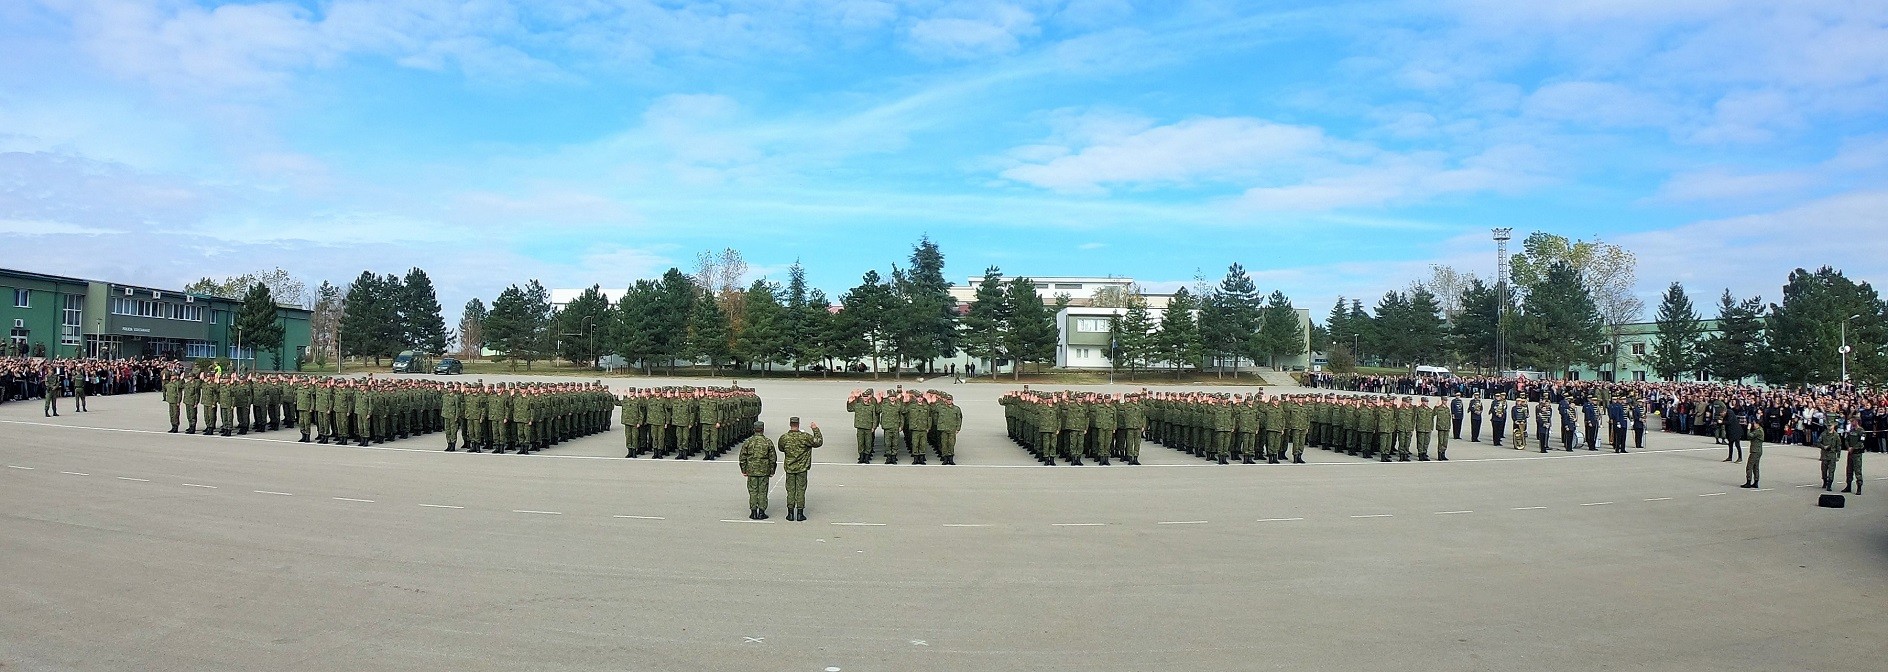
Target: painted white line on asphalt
point(272, 492)
point(128, 478)
point(1807, 485)
point(1276, 520)
point(74, 473)
point(1376, 515)
point(731, 520)
point(1658, 499)
point(1597, 504)
point(861, 524)
point(545, 513)
point(1711, 494)
point(1451, 513)
point(965, 525)
point(15, 466)
point(193, 485)
point(1761, 489)
point(441, 506)
point(1181, 522)
point(351, 499)
point(642, 517)
point(1528, 508)
point(1076, 524)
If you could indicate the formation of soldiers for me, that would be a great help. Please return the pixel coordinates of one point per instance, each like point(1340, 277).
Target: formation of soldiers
point(1580, 420)
point(924, 423)
point(1078, 425)
point(525, 417)
point(521, 417)
point(1222, 427)
point(686, 421)
point(232, 404)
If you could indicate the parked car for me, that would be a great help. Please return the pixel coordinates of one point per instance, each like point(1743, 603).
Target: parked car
point(448, 366)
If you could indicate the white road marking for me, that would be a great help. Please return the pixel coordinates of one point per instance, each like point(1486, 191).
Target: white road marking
point(1276, 520)
point(1711, 494)
point(193, 485)
point(128, 478)
point(731, 520)
point(861, 524)
point(1376, 515)
point(15, 466)
point(1807, 485)
point(441, 506)
point(547, 513)
point(1451, 513)
point(1528, 508)
point(1761, 489)
point(642, 517)
point(1597, 504)
point(1181, 522)
point(1077, 524)
point(1658, 499)
point(832, 669)
point(272, 492)
point(919, 642)
point(74, 473)
point(351, 499)
point(752, 640)
point(965, 525)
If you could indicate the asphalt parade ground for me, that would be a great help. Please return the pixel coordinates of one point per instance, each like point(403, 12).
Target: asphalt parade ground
point(128, 548)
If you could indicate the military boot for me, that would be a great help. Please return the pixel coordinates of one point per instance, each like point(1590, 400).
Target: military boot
point(1222, 459)
point(173, 428)
point(451, 447)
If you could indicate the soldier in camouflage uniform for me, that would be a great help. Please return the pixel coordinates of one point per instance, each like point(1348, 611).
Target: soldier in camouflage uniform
point(796, 451)
point(758, 466)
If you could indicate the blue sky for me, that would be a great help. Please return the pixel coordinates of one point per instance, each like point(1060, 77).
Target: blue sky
point(1332, 148)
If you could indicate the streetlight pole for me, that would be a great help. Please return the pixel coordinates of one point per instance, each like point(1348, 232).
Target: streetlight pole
point(1845, 346)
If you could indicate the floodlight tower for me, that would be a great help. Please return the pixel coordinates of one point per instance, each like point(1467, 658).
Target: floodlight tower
point(1502, 236)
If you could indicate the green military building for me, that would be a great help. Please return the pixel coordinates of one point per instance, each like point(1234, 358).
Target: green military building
point(73, 317)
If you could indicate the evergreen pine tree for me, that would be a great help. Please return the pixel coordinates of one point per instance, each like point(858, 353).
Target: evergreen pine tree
point(1679, 329)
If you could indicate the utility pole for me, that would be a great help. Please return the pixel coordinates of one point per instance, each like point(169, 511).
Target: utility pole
point(1845, 346)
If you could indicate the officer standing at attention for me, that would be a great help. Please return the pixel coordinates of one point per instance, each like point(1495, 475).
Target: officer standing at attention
point(1831, 450)
point(173, 396)
point(1475, 418)
point(1455, 414)
point(1756, 453)
point(758, 465)
point(305, 408)
point(1543, 422)
point(192, 394)
point(1498, 417)
point(1852, 475)
point(796, 450)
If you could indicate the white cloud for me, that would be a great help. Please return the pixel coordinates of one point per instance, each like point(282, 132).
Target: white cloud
point(1843, 231)
point(972, 30)
point(1717, 184)
point(1208, 149)
point(21, 227)
point(1598, 104)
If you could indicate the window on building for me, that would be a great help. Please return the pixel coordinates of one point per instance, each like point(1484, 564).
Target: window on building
point(199, 349)
point(1082, 353)
point(1701, 376)
point(1638, 376)
point(1091, 325)
point(1573, 375)
point(72, 317)
point(1638, 349)
point(241, 353)
point(213, 315)
point(1606, 348)
point(1068, 285)
point(22, 298)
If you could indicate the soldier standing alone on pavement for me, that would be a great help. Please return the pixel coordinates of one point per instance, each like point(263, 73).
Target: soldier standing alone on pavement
point(796, 450)
point(1852, 475)
point(1756, 453)
point(758, 465)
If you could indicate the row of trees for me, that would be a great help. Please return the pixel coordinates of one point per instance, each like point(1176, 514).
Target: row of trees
point(1228, 324)
point(907, 320)
point(1571, 304)
point(379, 315)
point(1798, 340)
